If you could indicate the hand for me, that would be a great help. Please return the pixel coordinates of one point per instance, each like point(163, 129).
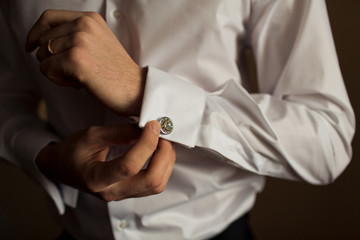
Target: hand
point(87, 53)
point(79, 161)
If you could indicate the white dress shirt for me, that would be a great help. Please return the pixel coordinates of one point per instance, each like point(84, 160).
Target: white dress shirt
point(298, 126)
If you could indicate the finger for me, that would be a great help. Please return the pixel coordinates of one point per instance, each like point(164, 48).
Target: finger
point(44, 52)
point(159, 163)
point(68, 34)
point(60, 44)
point(167, 175)
point(98, 140)
point(53, 18)
point(147, 182)
point(59, 69)
point(79, 24)
point(132, 162)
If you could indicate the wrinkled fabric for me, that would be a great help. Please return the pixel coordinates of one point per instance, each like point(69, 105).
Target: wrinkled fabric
point(298, 126)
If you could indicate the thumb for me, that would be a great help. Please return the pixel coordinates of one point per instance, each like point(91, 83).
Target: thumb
point(133, 160)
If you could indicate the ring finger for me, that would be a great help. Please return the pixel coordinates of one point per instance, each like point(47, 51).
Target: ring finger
point(48, 39)
point(57, 45)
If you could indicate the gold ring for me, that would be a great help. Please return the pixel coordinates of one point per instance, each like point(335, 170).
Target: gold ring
point(50, 49)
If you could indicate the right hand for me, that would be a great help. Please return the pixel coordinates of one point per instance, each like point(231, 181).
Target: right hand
point(79, 161)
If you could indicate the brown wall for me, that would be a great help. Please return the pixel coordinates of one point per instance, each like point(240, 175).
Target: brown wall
point(285, 210)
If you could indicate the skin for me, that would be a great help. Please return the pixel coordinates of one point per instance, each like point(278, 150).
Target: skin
point(79, 161)
point(87, 54)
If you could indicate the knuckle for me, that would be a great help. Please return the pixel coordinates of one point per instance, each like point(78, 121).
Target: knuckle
point(94, 15)
point(159, 190)
point(75, 55)
point(93, 178)
point(153, 183)
point(79, 38)
point(46, 14)
point(84, 23)
point(92, 132)
point(128, 169)
point(91, 187)
point(75, 59)
point(107, 196)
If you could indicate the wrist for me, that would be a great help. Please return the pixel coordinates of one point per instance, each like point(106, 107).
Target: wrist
point(136, 94)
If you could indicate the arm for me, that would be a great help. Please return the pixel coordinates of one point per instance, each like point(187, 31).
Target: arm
point(301, 123)
point(299, 126)
point(79, 160)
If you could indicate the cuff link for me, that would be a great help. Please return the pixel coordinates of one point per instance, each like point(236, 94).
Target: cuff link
point(166, 125)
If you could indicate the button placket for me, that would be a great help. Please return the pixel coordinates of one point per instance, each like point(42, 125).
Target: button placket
point(117, 14)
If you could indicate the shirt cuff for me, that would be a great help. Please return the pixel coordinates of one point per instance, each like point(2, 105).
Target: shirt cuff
point(168, 96)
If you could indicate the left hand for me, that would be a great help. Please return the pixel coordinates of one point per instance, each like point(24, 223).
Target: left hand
point(80, 161)
point(87, 53)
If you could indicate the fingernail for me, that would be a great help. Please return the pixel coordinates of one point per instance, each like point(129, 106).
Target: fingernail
point(155, 125)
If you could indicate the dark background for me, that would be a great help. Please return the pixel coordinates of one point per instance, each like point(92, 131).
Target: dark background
point(284, 210)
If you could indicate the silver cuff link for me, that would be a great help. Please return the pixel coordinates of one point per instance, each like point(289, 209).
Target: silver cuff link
point(166, 125)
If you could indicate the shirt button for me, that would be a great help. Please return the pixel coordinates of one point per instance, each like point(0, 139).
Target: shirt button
point(166, 125)
point(123, 224)
point(118, 15)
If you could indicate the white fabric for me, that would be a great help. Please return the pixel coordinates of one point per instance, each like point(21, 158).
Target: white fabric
point(299, 126)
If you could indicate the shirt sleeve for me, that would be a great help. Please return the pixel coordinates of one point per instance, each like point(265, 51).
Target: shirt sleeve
point(22, 133)
point(300, 124)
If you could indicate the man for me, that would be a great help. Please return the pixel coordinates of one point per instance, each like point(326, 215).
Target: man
point(178, 62)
